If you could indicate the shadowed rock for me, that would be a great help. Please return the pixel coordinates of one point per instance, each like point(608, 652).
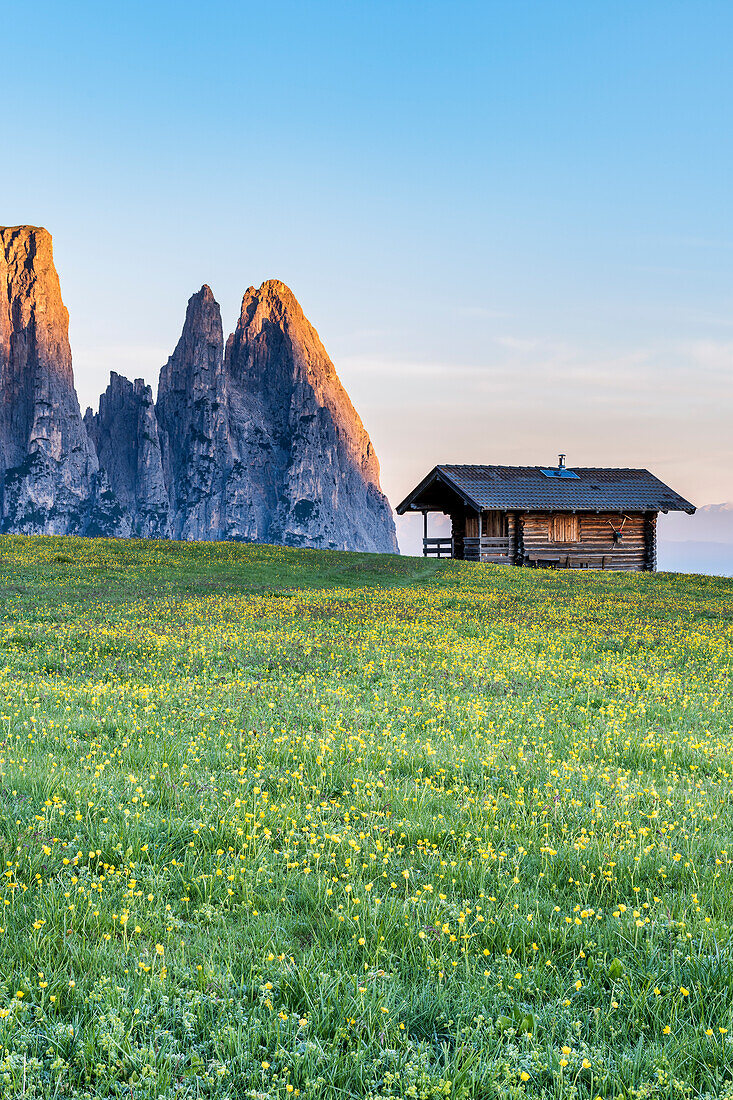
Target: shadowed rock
point(193, 425)
point(125, 435)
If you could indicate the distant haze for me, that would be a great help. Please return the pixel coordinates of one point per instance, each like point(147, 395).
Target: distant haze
point(702, 543)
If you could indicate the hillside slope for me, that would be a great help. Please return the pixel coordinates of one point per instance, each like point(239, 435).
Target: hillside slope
point(305, 823)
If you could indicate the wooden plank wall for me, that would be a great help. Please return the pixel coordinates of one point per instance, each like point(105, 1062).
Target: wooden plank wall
point(494, 524)
point(472, 525)
point(596, 537)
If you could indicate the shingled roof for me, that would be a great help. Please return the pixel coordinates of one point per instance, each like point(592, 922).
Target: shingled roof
point(529, 489)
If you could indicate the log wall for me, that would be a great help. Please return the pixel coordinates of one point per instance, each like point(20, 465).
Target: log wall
point(529, 533)
point(634, 552)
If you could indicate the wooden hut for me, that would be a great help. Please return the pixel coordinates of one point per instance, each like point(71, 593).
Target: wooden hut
point(556, 517)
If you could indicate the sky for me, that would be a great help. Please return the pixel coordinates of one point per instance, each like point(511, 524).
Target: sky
point(511, 223)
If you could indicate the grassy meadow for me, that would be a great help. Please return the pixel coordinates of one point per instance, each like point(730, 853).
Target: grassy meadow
point(281, 823)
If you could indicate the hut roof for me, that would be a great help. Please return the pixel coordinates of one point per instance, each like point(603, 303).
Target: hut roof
point(538, 489)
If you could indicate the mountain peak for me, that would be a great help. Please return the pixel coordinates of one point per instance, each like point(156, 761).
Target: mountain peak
point(273, 300)
point(47, 463)
point(277, 289)
point(9, 233)
point(326, 471)
point(205, 294)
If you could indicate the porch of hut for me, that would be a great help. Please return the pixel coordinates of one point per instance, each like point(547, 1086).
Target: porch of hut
point(480, 536)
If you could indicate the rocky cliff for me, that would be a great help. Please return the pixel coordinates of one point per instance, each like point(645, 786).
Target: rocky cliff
point(257, 442)
point(126, 438)
point(49, 474)
point(192, 415)
point(320, 476)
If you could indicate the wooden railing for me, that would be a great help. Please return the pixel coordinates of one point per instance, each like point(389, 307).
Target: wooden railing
point(437, 548)
point(479, 549)
point(487, 549)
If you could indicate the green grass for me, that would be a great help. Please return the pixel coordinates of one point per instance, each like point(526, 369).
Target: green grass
point(296, 823)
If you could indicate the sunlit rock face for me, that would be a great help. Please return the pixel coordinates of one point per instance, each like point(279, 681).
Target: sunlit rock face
point(49, 475)
point(262, 443)
point(126, 438)
point(258, 442)
point(320, 475)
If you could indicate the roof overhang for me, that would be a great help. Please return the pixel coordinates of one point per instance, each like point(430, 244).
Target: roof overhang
point(436, 475)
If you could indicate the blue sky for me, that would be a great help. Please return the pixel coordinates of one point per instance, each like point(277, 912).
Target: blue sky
point(510, 222)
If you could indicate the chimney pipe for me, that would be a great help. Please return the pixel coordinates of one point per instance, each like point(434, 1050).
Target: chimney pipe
point(561, 462)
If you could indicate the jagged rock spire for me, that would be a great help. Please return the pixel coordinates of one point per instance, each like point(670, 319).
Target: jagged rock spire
point(326, 475)
point(49, 475)
point(192, 417)
point(125, 435)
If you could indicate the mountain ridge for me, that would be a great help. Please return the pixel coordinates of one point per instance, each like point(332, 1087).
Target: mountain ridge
point(254, 438)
